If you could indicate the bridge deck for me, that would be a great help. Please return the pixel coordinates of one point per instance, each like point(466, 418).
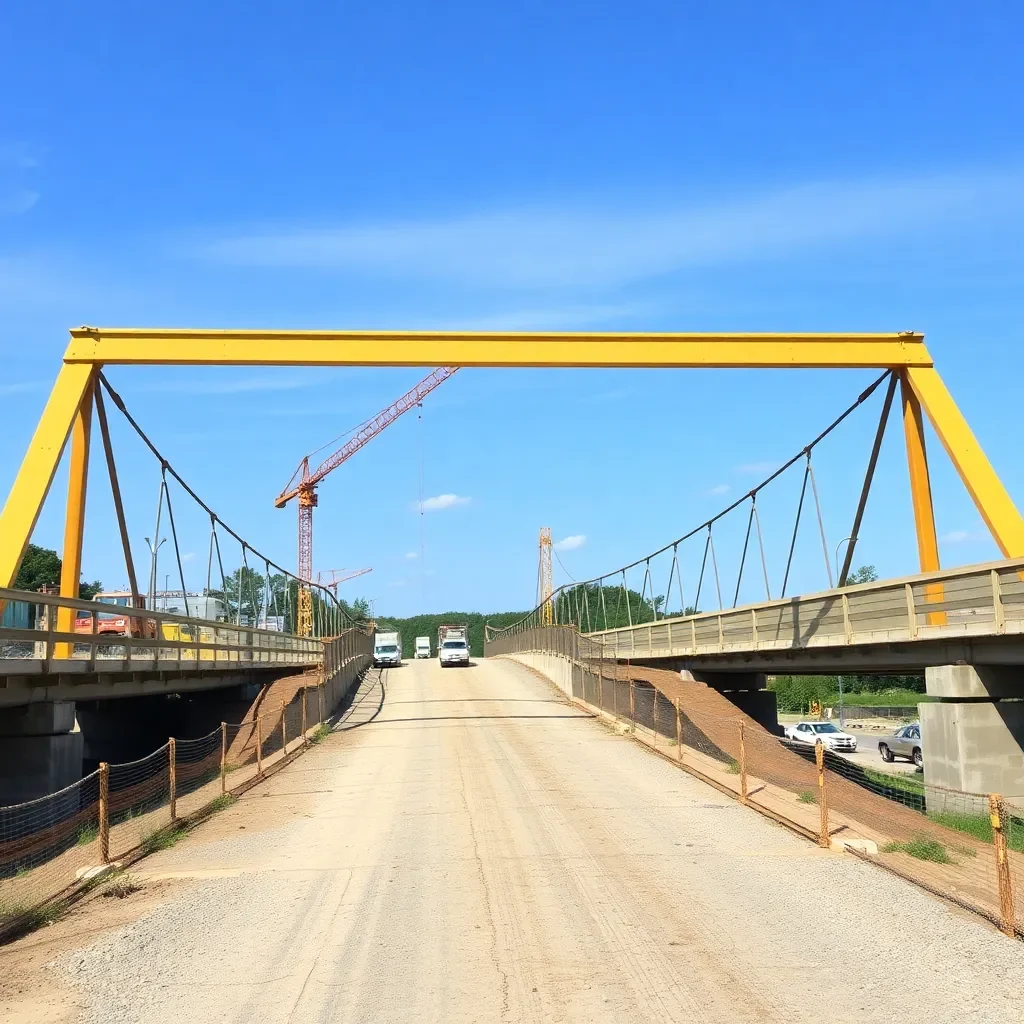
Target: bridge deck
point(480, 851)
point(974, 614)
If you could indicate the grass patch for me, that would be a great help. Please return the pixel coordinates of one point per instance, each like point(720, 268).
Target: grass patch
point(224, 800)
point(88, 834)
point(323, 730)
point(733, 768)
point(32, 917)
point(808, 796)
point(922, 849)
point(979, 826)
point(895, 698)
point(162, 839)
point(905, 783)
point(122, 885)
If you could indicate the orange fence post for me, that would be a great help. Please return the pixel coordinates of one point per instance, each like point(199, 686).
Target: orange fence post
point(259, 744)
point(223, 758)
point(105, 812)
point(997, 813)
point(172, 754)
point(819, 759)
point(679, 733)
point(305, 695)
point(632, 708)
point(743, 766)
point(284, 730)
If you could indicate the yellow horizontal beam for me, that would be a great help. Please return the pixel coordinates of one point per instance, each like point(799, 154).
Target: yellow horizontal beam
point(136, 346)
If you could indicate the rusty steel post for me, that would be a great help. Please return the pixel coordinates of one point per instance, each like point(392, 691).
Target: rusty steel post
point(632, 707)
point(1007, 914)
point(743, 766)
point(305, 696)
point(259, 744)
point(679, 733)
point(223, 758)
point(819, 759)
point(105, 812)
point(172, 755)
point(284, 729)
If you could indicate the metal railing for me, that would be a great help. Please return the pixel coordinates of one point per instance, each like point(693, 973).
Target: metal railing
point(158, 640)
point(982, 600)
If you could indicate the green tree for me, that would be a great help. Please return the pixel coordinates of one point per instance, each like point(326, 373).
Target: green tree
point(865, 574)
point(39, 568)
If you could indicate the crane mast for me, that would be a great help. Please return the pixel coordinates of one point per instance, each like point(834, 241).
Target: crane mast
point(545, 581)
point(303, 483)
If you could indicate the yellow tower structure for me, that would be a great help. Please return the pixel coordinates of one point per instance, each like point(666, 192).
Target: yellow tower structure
point(545, 582)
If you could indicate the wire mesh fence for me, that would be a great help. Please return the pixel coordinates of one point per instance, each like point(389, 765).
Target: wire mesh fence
point(966, 847)
point(57, 843)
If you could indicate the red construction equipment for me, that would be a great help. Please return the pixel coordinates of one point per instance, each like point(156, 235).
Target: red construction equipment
point(303, 482)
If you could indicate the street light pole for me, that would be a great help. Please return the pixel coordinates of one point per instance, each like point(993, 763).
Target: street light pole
point(152, 567)
point(838, 546)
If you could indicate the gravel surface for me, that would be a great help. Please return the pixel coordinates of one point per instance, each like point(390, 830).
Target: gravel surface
point(482, 851)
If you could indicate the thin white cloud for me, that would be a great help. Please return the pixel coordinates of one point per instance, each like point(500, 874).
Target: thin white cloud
point(189, 556)
point(717, 490)
point(411, 555)
point(17, 200)
point(961, 536)
point(571, 543)
point(559, 246)
point(756, 468)
point(442, 501)
point(23, 387)
point(236, 386)
point(19, 155)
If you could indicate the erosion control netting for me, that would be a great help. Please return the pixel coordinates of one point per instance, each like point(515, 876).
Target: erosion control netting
point(938, 837)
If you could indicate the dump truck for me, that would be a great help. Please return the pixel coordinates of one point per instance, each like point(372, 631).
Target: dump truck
point(453, 645)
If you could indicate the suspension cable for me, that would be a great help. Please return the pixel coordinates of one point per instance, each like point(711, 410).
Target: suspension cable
point(707, 524)
point(168, 468)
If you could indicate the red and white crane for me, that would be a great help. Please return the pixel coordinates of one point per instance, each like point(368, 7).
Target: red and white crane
point(304, 481)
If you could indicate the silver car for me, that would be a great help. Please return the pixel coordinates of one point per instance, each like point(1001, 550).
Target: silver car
point(905, 742)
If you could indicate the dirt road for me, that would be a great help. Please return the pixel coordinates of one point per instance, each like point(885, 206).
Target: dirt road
point(471, 848)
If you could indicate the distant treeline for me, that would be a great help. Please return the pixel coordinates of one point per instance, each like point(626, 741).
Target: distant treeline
point(426, 625)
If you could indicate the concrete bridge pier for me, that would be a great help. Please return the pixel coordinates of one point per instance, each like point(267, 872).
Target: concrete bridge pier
point(747, 690)
point(973, 736)
point(40, 750)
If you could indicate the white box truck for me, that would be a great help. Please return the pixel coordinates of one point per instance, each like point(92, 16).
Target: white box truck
point(423, 647)
point(453, 645)
point(387, 649)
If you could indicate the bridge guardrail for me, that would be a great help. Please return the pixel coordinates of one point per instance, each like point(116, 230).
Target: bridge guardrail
point(965, 847)
point(984, 600)
point(164, 640)
point(51, 847)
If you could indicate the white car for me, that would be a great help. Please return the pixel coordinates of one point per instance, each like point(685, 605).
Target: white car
point(831, 737)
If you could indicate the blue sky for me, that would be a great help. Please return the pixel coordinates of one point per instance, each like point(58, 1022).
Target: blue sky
point(654, 166)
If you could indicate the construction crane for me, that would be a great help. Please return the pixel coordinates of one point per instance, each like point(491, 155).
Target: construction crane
point(545, 581)
point(303, 483)
point(339, 576)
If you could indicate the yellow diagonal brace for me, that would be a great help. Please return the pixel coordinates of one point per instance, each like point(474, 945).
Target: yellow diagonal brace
point(987, 490)
point(32, 483)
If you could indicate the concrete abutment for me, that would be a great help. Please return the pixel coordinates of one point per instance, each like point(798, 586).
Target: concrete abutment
point(973, 736)
point(40, 750)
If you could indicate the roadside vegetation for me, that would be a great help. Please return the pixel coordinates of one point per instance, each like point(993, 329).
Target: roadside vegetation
point(922, 849)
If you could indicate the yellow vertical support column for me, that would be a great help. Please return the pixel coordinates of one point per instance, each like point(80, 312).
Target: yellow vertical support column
point(921, 494)
point(920, 481)
point(986, 489)
point(74, 520)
